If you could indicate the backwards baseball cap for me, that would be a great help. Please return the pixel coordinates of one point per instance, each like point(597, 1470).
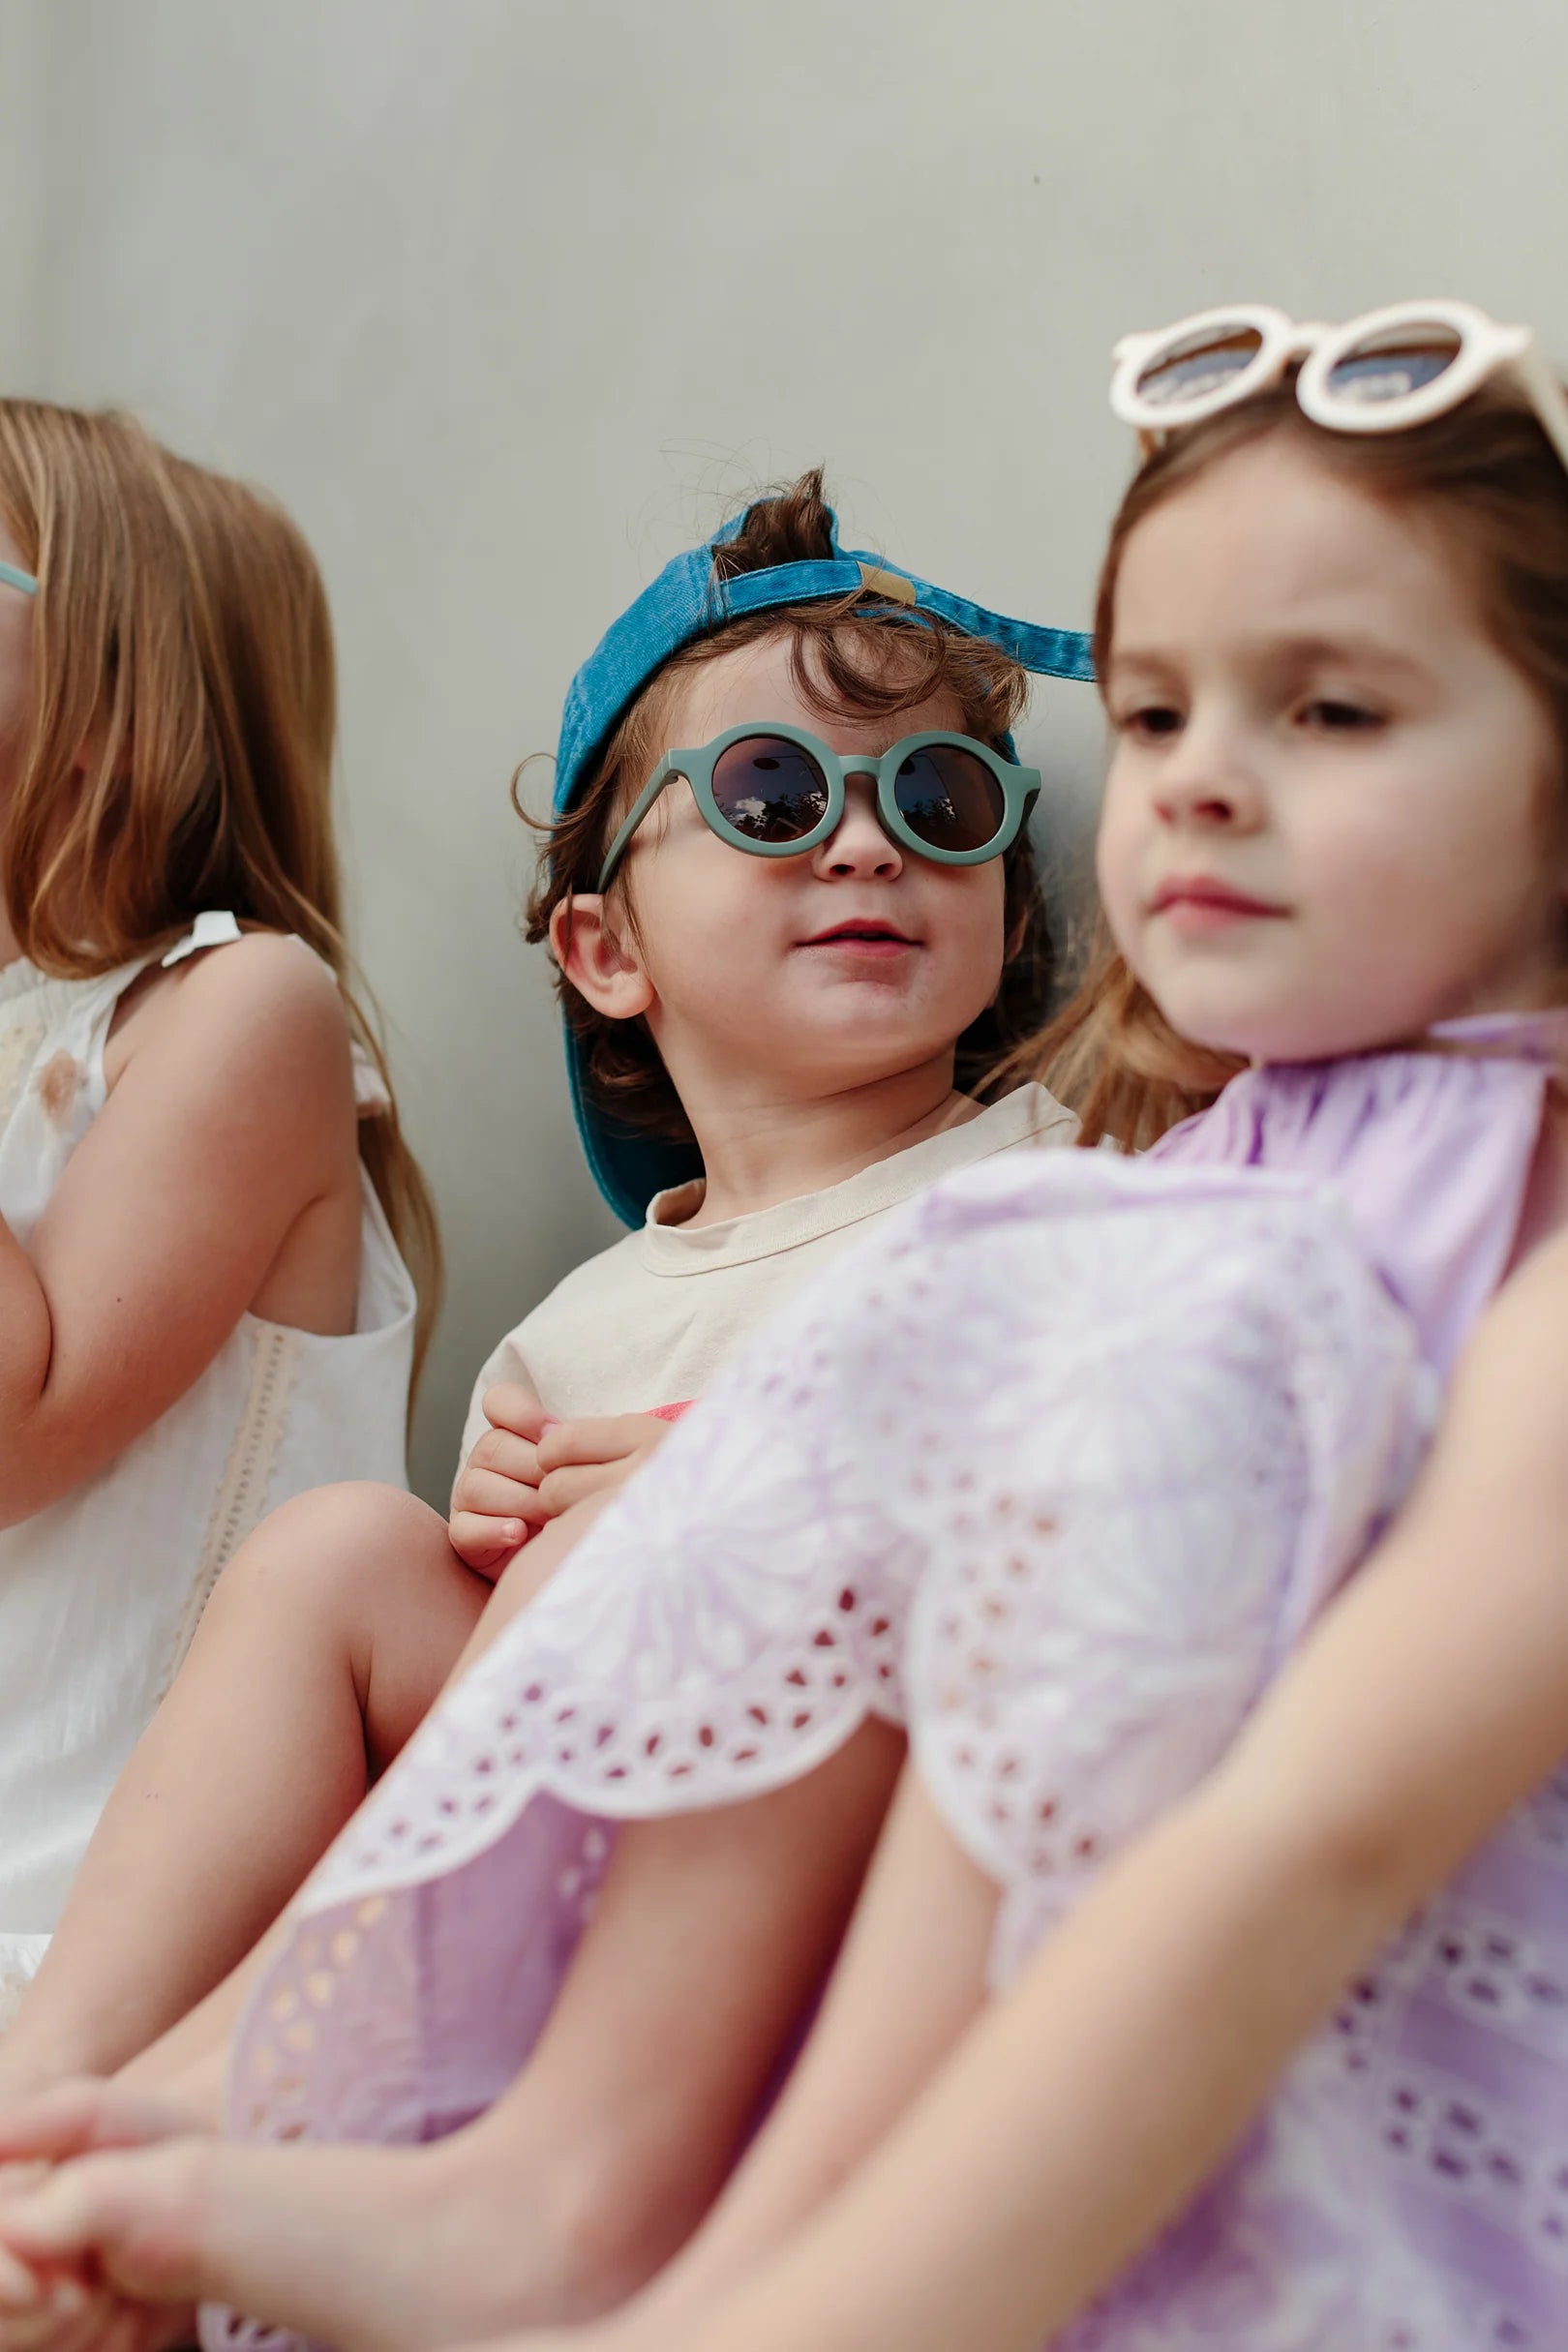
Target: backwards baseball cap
point(689, 600)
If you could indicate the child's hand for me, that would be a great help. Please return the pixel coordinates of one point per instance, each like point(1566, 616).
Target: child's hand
point(495, 1501)
point(581, 1458)
point(528, 1468)
point(52, 2298)
point(100, 2255)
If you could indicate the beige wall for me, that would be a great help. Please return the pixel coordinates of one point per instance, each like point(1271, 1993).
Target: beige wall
point(509, 299)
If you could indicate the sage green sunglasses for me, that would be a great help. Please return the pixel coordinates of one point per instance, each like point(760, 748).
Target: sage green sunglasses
point(776, 792)
point(14, 578)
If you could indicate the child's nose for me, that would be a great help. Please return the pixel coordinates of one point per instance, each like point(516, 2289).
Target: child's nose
point(1205, 782)
point(859, 846)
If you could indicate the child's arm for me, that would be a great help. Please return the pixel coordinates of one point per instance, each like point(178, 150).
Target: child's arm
point(232, 1118)
point(1086, 2108)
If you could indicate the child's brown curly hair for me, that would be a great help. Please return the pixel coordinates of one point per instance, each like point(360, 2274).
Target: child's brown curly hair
point(858, 657)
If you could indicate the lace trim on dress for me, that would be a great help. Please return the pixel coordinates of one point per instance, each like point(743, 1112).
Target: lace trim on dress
point(242, 1491)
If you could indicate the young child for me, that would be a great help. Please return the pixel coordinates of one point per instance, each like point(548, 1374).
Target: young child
point(795, 1025)
point(1060, 1467)
point(204, 1189)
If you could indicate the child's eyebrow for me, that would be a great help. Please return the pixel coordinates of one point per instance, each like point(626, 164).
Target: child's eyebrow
point(1318, 650)
point(1314, 648)
point(1140, 661)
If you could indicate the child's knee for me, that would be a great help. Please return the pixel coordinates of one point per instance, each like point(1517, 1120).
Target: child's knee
point(319, 1548)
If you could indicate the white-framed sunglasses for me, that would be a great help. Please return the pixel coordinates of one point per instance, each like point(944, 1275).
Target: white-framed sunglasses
point(1380, 373)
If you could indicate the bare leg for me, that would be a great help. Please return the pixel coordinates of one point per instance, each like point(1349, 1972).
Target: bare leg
point(526, 1574)
point(326, 1640)
point(712, 1933)
point(911, 1979)
point(188, 2063)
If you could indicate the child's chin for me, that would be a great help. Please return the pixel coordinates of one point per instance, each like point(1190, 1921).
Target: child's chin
point(1247, 1037)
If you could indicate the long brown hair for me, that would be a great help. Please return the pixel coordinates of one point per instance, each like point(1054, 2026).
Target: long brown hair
point(179, 747)
point(1492, 484)
point(858, 656)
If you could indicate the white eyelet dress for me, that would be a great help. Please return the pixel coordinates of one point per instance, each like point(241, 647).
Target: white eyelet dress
point(101, 1592)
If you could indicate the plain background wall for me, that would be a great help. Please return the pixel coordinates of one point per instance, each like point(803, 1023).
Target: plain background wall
point(509, 301)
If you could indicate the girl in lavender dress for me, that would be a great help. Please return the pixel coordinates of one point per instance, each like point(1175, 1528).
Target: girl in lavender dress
point(1057, 1473)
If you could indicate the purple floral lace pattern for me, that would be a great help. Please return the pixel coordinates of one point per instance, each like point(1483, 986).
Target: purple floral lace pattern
point(1061, 1412)
point(1206, 1415)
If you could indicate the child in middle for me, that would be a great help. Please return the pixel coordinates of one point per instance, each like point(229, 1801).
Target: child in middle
point(767, 1051)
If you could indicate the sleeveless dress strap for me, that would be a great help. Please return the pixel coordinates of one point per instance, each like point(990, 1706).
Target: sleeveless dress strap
point(209, 930)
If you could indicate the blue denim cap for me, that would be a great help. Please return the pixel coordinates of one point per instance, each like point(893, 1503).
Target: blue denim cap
point(687, 601)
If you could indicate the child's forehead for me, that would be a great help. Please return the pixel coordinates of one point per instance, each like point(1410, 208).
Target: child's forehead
point(762, 681)
point(1272, 536)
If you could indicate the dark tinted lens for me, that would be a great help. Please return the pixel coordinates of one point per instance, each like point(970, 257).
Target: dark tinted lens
point(1186, 371)
point(768, 789)
point(949, 798)
point(1388, 369)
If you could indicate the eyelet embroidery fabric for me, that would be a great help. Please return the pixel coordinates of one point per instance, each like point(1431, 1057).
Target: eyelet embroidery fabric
point(728, 1625)
point(1056, 1468)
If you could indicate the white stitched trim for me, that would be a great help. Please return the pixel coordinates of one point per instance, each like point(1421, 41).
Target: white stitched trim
point(247, 1474)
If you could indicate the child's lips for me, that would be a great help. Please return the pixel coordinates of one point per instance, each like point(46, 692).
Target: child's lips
point(1200, 903)
point(874, 942)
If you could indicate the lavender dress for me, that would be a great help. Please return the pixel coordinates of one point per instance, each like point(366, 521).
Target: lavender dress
point(1055, 1470)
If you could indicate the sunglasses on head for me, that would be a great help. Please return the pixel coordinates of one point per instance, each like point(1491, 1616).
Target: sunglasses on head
point(777, 791)
point(1380, 373)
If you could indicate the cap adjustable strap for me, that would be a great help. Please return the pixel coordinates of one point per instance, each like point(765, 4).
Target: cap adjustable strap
point(891, 585)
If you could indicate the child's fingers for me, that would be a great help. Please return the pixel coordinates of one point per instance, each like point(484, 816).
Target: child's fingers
point(130, 2213)
point(489, 1496)
point(508, 1405)
point(20, 2288)
point(68, 2316)
point(595, 1438)
point(483, 1544)
point(563, 1488)
point(76, 2116)
point(499, 1453)
point(106, 2322)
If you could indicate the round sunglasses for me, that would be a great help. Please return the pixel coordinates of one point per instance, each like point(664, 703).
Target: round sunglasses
point(1380, 373)
point(777, 791)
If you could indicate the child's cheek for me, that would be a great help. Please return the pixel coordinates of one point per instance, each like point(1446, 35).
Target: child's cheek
point(1118, 892)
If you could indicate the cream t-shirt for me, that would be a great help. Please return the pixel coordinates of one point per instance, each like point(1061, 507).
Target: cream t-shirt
point(650, 1320)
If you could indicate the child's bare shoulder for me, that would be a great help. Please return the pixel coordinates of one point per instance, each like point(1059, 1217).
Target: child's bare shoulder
point(263, 1003)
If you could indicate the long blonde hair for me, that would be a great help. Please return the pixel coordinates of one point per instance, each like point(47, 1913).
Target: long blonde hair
point(179, 749)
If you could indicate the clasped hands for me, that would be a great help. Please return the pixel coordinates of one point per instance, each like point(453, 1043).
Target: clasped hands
point(528, 1467)
point(81, 2262)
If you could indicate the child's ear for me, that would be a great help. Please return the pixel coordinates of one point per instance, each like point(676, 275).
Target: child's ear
point(597, 953)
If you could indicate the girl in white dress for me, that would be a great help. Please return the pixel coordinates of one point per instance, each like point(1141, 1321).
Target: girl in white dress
point(205, 1201)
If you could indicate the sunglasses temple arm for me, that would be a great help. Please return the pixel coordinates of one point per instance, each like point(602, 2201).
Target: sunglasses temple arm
point(639, 809)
